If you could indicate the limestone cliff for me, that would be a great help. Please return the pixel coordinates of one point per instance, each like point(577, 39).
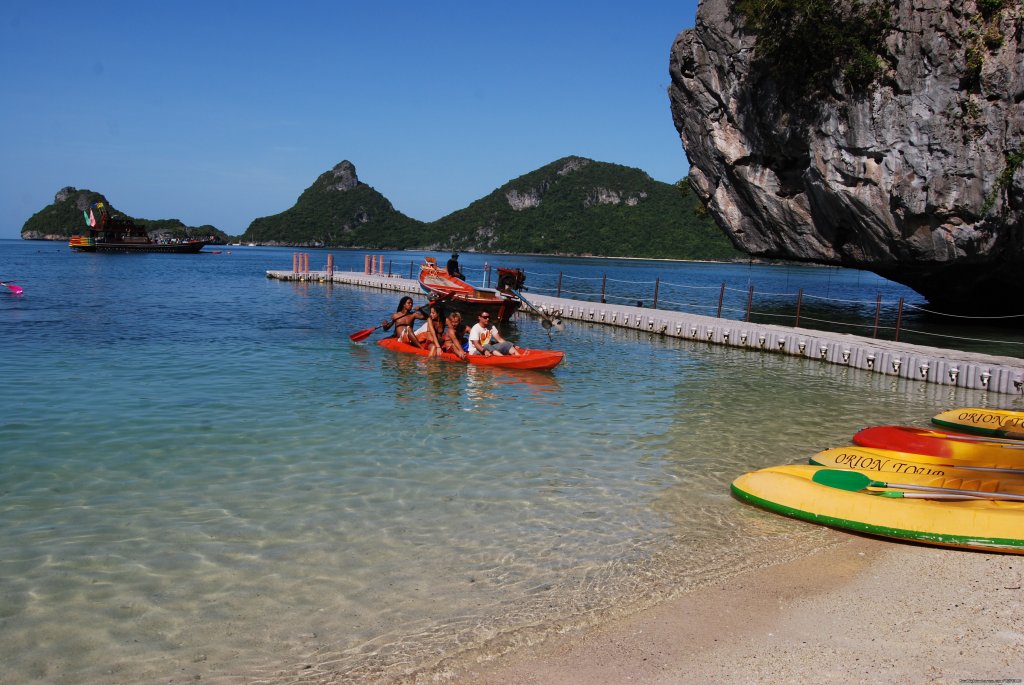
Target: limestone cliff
point(915, 175)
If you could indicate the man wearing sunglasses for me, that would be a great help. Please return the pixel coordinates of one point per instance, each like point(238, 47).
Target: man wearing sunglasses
point(484, 339)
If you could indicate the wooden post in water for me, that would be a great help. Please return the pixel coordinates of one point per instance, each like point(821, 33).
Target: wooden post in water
point(330, 265)
point(878, 311)
point(410, 269)
point(366, 265)
point(295, 262)
point(899, 320)
point(799, 300)
point(721, 297)
point(750, 302)
point(604, 281)
point(558, 290)
point(657, 282)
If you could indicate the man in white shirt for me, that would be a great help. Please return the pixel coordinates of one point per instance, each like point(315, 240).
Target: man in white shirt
point(484, 339)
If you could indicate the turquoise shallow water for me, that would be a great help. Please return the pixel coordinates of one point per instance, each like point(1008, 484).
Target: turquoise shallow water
point(203, 477)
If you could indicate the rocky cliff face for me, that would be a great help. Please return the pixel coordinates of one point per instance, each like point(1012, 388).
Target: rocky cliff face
point(916, 177)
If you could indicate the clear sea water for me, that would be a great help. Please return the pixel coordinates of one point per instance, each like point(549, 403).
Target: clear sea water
point(204, 480)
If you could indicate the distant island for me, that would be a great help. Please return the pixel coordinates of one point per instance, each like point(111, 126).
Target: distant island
point(573, 206)
point(66, 216)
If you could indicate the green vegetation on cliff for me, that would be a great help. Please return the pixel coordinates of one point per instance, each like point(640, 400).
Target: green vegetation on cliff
point(804, 44)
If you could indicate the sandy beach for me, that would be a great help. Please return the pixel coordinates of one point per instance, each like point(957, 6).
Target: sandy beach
point(863, 611)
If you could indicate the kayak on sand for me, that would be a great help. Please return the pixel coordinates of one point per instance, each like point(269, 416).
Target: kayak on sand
point(940, 443)
point(526, 359)
point(801, 492)
point(888, 461)
point(1000, 423)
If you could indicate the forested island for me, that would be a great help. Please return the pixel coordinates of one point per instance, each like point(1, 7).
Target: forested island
point(573, 206)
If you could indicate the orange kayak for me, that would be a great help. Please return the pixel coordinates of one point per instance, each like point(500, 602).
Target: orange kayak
point(526, 359)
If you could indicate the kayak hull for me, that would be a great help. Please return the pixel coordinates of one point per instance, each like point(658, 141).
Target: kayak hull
point(948, 446)
point(999, 423)
point(987, 525)
point(537, 360)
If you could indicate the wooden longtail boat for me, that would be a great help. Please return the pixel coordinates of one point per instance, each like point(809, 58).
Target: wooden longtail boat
point(466, 299)
point(526, 359)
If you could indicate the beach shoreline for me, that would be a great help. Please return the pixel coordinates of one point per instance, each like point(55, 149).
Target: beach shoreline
point(863, 611)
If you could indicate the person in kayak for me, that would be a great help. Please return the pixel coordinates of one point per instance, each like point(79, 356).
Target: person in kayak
point(402, 320)
point(430, 333)
point(454, 334)
point(484, 339)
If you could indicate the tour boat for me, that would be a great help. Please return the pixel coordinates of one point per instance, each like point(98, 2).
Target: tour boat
point(120, 234)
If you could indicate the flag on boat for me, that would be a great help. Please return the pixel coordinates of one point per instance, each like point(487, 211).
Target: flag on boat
point(92, 219)
point(86, 215)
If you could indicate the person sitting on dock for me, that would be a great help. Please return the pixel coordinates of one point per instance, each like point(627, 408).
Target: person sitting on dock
point(429, 334)
point(454, 335)
point(402, 320)
point(484, 339)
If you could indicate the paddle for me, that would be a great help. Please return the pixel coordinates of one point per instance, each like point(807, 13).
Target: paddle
point(1011, 443)
point(897, 494)
point(548, 323)
point(16, 289)
point(854, 482)
point(365, 333)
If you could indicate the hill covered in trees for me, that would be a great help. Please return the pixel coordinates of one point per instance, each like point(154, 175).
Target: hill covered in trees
point(573, 206)
point(338, 210)
point(578, 206)
point(66, 216)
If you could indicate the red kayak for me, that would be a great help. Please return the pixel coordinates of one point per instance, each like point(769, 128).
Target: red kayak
point(951, 445)
point(526, 359)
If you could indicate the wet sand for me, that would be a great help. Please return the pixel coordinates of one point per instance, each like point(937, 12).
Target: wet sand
point(864, 611)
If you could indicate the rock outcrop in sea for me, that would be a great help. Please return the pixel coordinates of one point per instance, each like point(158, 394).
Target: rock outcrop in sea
point(914, 173)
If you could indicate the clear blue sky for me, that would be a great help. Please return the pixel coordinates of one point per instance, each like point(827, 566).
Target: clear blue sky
point(219, 112)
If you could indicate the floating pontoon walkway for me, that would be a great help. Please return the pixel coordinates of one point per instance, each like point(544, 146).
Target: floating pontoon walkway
point(899, 360)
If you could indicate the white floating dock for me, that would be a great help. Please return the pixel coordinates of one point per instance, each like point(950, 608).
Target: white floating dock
point(903, 360)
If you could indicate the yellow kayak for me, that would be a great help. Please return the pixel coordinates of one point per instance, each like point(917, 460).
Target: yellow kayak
point(1000, 423)
point(980, 524)
point(897, 461)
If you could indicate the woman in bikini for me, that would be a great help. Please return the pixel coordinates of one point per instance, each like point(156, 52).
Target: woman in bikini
point(402, 320)
point(429, 335)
